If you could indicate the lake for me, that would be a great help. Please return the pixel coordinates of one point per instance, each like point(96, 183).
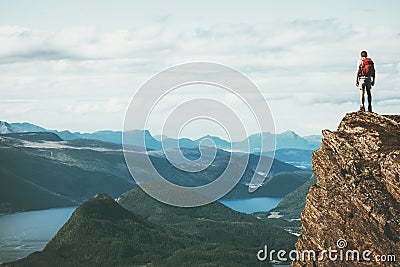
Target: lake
point(26, 232)
point(250, 205)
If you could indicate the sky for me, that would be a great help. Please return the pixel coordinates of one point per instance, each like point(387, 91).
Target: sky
point(76, 64)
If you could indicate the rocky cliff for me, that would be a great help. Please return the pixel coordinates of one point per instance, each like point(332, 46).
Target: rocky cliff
point(354, 208)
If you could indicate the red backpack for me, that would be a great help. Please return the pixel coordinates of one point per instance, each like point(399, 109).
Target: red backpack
point(367, 68)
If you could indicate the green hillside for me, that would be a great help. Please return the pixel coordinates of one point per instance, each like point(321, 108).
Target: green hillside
point(30, 181)
point(279, 185)
point(102, 233)
point(213, 222)
point(44, 172)
point(293, 204)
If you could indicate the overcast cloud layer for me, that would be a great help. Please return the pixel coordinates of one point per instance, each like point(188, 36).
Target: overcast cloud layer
point(81, 77)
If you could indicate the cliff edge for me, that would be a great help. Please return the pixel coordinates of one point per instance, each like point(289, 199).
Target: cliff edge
point(354, 208)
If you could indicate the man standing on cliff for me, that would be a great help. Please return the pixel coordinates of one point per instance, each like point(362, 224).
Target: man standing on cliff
point(365, 79)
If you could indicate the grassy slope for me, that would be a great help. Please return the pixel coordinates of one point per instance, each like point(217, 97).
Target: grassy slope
point(214, 222)
point(103, 233)
point(293, 204)
point(279, 185)
point(31, 182)
point(55, 177)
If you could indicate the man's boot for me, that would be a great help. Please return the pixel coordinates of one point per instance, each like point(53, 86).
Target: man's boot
point(362, 108)
point(369, 108)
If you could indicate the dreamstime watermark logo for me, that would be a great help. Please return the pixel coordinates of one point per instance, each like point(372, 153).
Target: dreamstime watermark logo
point(330, 254)
point(225, 112)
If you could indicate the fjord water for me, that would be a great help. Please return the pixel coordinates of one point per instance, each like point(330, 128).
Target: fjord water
point(250, 205)
point(26, 232)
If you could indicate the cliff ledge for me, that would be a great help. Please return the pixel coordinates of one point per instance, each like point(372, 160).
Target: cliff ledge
point(355, 204)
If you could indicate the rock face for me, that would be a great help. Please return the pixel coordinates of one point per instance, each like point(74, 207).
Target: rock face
point(355, 204)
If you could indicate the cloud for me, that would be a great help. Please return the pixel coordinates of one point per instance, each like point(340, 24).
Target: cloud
point(296, 64)
point(312, 45)
point(111, 105)
point(79, 43)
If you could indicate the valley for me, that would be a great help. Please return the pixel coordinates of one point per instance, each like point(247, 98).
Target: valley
point(49, 175)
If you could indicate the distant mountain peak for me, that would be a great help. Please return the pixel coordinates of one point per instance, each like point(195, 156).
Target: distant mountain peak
point(289, 133)
point(5, 127)
point(144, 138)
point(102, 206)
point(102, 196)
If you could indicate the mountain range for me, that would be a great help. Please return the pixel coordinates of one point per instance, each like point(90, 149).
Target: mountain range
point(48, 169)
point(354, 194)
point(43, 171)
point(288, 139)
point(40, 171)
